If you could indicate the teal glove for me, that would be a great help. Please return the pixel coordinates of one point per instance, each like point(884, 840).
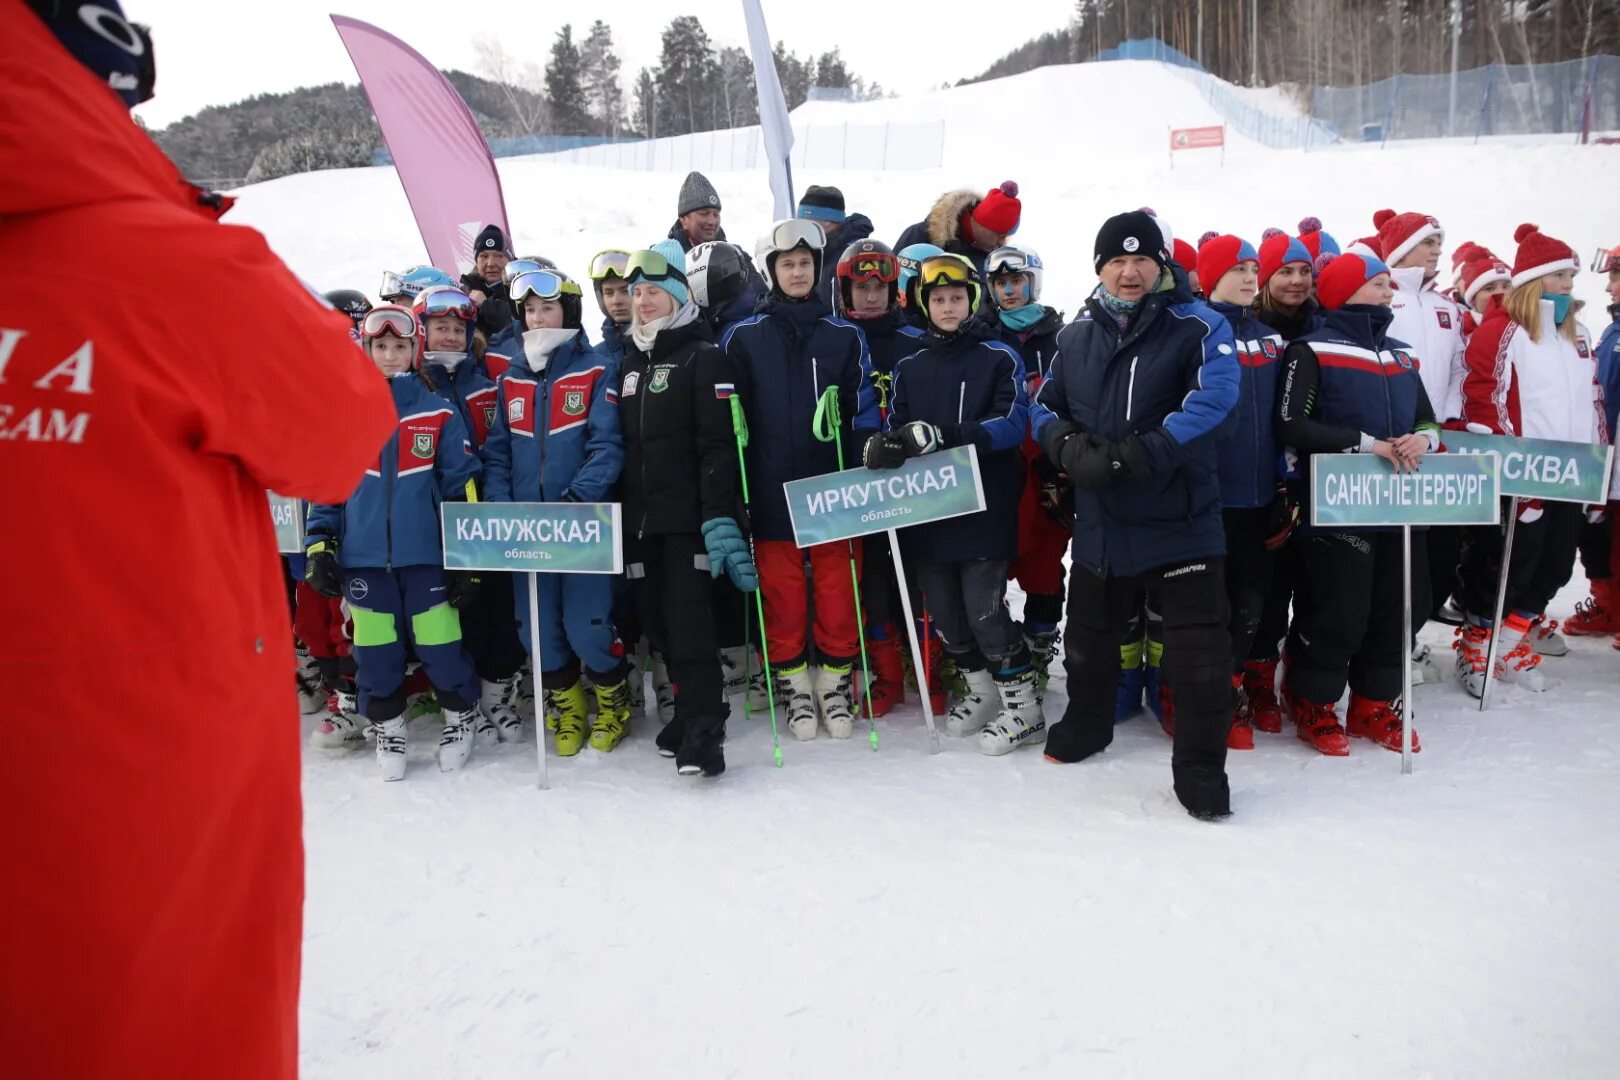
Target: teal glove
point(729, 554)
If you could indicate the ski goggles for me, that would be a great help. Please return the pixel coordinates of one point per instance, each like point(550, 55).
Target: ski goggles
point(388, 320)
point(1006, 260)
point(796, 232)
point(394, 286)
point(946, 270)
point(652, 266)
point(514, 267)
point(445, 300)
point(610, 263)
point(1607, 260)
point(872, 266)
point(546, 284)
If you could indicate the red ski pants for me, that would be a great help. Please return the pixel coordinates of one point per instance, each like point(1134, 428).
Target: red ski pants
point(787, 592)
point(321, 624)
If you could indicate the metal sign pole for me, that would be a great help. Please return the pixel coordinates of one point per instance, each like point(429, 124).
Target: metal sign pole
point(916, 648)
point(1406, 639)
point(1501, 601)
point(534, 658)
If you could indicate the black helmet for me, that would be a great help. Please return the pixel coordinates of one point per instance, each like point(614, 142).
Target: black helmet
point(352, 302)
point(716, 272)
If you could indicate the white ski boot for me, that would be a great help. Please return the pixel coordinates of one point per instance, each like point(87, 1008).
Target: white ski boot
point(663, 689)
point(976, 708)
point(311, 687)
point(1426, 667)
point(1020, 717)
point(456, 743)
point(734, 670)
point(497, 701)
point(796, 697)
point(1544, 638)
point(342, 728)
point(391, 748)
point(833, 693)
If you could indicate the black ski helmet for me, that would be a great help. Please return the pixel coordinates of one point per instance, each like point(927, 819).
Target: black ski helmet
point(862, 251)
point(716, 272)
point(352, 302)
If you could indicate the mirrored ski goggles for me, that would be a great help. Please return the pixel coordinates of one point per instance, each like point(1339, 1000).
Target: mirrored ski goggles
point(874, 267)
point(1607, 261)
point(393, 285)
point(945, 270)
point(652, 266)
point(546, 284)
point(610, 263)
point(797, 232)
point(445, 300)
point(1007, 261)
point(510, 272)
point(388, 320)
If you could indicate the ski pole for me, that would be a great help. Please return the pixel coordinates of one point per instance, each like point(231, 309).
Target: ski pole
point(828, 426)
point(739, 428)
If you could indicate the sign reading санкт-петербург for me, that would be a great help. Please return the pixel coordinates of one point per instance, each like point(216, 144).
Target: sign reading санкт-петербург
point(287, 515)
point(1543, 469)
point(856, 502)
point(543, 538)
point(1361, 490)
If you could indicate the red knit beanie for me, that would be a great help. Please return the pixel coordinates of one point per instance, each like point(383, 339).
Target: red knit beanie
point(1398, 234)
point(1000, 210)
point(1539, 255)
point(1277, 249)
point(1467, 252)
point(1186, 257)
point(1217, 255)
point(1316, 241)
point(1480, 272)
point(1341, 278)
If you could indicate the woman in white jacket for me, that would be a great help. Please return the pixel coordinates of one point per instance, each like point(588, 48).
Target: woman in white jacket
point(1531, 372)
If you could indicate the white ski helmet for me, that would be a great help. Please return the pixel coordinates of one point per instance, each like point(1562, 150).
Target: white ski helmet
point(785, 236)
point(1015, 259)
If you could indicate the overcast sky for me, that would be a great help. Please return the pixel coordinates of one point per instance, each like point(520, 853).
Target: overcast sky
point(210, 53)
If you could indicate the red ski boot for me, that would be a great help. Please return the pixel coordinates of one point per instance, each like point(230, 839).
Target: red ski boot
point(1319, 726)
point(1378, 721)
point(1260, 684)
point(1597, 615)
point(888, 677)
point(1240, 736)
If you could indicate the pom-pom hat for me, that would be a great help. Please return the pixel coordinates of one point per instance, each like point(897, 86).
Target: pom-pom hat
point(1540, 255)
point(1398, 234)
point(1278, 249)
point(1343, 275)
point(1218, 254)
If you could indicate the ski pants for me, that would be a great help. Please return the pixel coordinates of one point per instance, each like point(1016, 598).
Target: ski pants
point(490, 631)
point(576, 627)
point(1543, 560)
point(880, 592)
point(1280, 596)
point(675, 599)
point(967, 604)
point(1042, 543)
point(1190, 598)
point(1443, 550)
point(389, 606)
point(323, 626)
point(1248, 575)
point(787, 597)
point(1348, 630)
point(1596, 542)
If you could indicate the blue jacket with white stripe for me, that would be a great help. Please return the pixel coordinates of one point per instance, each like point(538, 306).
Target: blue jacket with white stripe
point(1169, 376)
point(556, 436)
point(1251, 458)
point(970, 385)
point(392, 519)
point(785, 358)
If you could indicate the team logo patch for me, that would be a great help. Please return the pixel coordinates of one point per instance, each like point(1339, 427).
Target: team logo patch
point(1131, 243)
point(659, 382)
point(489, 416)
point(573, 402)
point(1268, 348)
point(422, 446)
point(358, 589)
point(1445, 319)
point(514, 410)
point(630, 382)
point(1403, 359)
point(1580, 347)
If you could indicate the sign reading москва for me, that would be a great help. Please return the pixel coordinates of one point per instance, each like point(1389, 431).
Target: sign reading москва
point(1543, 469)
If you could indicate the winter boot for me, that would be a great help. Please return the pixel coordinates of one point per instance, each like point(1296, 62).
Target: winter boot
point(1132, 680)
point(888, 675)
point(1597, 615)
point(1020, 718)
point(342, 728)
point(1379, 721)
point(1203, 791)
point(1318, 725)
point(797, 698)
point(976, 708)
point(663, 689)
point(391, 747)
point(1240, 736)
point(1260, 687)
point(702, 749)
point(1426, 667)
point(612, 721)
point(833, 684)
point(1544, 638)
point(569, 715)
point(456, 741)
point(1043, 648)
point(670, 737)
point(498, 700)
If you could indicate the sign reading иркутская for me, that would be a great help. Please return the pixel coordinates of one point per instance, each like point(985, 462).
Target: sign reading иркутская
point(1543, 469)
point(1361, 490)
point(543, 538)
point(843, 505)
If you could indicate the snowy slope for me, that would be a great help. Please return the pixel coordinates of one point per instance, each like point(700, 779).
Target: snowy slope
point(898, 914)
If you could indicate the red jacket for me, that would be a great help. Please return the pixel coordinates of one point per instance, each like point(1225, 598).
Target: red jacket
point(158, 371)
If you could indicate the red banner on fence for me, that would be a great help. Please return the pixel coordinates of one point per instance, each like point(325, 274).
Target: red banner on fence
point(1197, 138)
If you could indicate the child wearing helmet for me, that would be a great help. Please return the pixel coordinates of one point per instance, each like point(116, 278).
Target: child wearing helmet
point(786, 358)
point(910, 257)
point(556, 438)
point(965, 387)
point(381, 550)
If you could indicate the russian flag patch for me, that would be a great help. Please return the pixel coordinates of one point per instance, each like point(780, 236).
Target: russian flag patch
point(723, 390)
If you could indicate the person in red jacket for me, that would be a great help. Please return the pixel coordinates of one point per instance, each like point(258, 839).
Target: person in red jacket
point(152, 912)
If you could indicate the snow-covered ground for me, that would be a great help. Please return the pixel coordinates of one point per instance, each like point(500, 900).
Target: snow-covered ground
point(899, 914)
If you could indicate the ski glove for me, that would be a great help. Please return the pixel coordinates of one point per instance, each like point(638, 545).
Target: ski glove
point(1284, 519)
point(884, 451)
point(321, 567)
point(464, 585)
point(729, 554)
point(1093, 462)
point(920, 437)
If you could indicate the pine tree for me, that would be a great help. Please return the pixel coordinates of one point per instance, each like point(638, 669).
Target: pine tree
point(686, 78)
point(831, 71)
point(738, 99)
point(646, 91)
point(565, 94)
point(793, 74)
point(604, 97)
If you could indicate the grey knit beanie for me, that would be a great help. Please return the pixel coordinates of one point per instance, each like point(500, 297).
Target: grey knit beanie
point(697, 194)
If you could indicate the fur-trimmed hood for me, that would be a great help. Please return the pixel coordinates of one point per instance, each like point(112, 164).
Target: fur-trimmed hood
point(945, 219)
